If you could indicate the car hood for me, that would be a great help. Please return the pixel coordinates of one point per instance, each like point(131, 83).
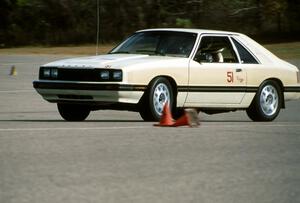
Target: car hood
point(108, 61)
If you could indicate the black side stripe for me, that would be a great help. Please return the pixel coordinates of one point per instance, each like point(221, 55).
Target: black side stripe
point(292, 89)
point(216, 89)
point(121, 87)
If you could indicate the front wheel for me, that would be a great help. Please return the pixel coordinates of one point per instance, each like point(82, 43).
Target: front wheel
point(72, 112)
point(266, 103)
point(159, 93)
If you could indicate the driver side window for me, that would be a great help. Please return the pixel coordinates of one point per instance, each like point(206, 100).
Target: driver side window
point(215, 49)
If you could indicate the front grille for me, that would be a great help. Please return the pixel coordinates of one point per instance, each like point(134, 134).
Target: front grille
point(78, 74)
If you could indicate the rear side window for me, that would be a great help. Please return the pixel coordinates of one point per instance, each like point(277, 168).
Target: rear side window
point(245, 56)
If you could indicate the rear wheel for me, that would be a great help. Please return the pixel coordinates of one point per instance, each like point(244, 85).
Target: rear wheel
point(266, 103)
point(72, 112)
point(158, 94)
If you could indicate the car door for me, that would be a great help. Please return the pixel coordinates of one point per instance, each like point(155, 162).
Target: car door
point(216, 78)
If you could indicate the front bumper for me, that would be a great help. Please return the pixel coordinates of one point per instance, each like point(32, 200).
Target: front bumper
point(66, 91)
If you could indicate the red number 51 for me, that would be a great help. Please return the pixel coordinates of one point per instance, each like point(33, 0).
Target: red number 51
point(230, 76)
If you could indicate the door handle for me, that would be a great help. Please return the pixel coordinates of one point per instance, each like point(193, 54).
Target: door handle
point(238, 70)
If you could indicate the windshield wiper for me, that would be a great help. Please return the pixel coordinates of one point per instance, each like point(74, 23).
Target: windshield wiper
point(149, 52)
point(120, 52)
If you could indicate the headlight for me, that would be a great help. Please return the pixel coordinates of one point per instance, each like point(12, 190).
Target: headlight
point(54, 73)
point(47, 72)
point(117, 75)
point(104, 75)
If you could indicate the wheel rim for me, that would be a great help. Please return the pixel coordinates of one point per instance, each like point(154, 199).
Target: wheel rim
point(269, 100)
point(161, 96)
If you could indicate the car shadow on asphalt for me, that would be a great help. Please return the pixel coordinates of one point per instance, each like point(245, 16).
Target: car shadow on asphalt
point(225, 121)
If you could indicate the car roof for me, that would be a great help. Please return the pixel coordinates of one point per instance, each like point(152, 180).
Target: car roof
point(198, 31)
point(264, 56)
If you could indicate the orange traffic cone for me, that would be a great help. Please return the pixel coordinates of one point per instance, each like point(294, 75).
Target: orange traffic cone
point(189, 118)
point(166, 119)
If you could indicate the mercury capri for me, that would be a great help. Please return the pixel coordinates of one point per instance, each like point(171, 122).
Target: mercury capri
point(211, 71)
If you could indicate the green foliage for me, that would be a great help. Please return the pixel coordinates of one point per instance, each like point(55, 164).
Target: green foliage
point(184, 23)
point(53, 22)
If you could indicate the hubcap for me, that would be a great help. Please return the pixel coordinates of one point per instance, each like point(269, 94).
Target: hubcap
point(160, 97)
point(269, 100)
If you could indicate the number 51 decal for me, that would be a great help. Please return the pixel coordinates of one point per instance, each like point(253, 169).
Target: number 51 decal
point(230, 76)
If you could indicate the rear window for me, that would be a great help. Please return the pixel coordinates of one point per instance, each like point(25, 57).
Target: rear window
point(245, 56)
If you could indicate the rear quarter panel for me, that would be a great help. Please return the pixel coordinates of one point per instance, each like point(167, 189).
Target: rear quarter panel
point(256, 74)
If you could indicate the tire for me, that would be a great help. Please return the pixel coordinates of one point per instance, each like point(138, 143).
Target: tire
point(266, 103)
point(72, 112)
point(157, 95)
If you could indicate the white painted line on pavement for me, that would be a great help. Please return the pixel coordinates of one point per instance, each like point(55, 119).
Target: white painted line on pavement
point(92, 128)
point(147, 127)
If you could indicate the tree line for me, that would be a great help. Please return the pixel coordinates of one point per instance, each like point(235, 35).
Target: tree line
point(53, 22)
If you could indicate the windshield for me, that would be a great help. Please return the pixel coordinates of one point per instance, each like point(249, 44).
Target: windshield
point(163, 43)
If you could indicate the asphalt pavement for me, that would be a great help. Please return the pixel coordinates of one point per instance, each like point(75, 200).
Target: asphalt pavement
point(116, 157)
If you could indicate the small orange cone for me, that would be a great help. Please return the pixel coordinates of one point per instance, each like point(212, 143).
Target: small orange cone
point(166, 119)
point(189, 118)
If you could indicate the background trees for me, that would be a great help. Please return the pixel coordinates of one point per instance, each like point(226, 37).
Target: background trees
point(50, 22)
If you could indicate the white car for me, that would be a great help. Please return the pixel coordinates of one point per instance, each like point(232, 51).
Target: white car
point(212, 71)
